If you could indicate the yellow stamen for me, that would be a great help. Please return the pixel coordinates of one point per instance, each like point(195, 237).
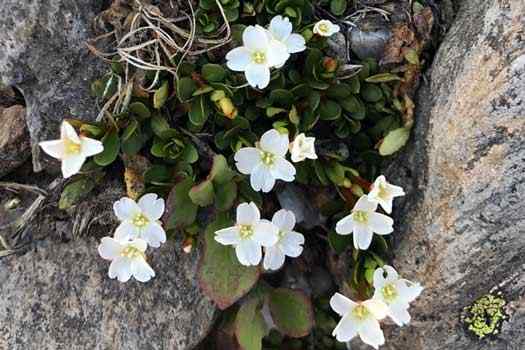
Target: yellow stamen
point(71, 147)
point(259, 57)
point(132, 253)
point(360, 216)
point(389, 292)
point(360, 312)
point(140, 220)
point(267, 158)
point(246, 231)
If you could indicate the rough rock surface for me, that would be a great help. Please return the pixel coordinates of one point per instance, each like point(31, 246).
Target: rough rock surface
point(14, 139)
point(461, 229)
point(43, 53)
point(58, 296)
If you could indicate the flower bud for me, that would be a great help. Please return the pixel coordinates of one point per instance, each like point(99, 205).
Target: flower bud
point(329, 64)
point(227, 108)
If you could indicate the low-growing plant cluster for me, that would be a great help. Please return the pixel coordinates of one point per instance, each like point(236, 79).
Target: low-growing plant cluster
point(203, 129)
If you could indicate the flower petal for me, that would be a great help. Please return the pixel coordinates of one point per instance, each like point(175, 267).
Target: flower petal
point(274, 142)
point(248, 214)
point(109, 248)
point(154, 234)
point(280, 27)
point(391, 273)
point(265, 233)
point(71, 165)
point(238, 59)
point(152, 206)
point(126, 209)
point(255, 38)
point(295, 43)
point(273, 258)
point(126, 231)
point(345, 330)
point(291, 244)
point(67, 131)
point(247, 159)
point(257, 75)
point(54, 148)
point(261, 178)
point(283, 170)
point(228, 236)
point(377, 307)
point(370, 333)
point(120, 268)
point(409, 291)
point(139, 244)
point(379, 278)
point(362, 237)
point(345, 226)
point(398, 312)
point(248, 252)
point(341, 304)
point(365, 204)
point(141, 270)
point(90, 147)
point(380, 223)
point(277, 54)
point(284, 220)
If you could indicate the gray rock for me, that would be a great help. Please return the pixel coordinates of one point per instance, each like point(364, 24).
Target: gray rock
point(461, 228)
point(43, 53)
point(14, 139)
point(58, 296)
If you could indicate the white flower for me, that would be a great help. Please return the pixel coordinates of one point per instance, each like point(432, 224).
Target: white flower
point(249, 234)
point(289, 243)
point(383, 193)
point(325, 28)
point(127, 259)
point(266, 162)
point(359, 319)
point(257, 55)
point(363, 222)
point(71, 149)
point(281, 30)
point(396, 293)
point(140, 220)
point(302, 147)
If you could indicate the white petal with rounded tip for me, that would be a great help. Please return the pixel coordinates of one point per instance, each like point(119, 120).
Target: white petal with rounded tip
point(409, 291)
point(139, 244)
point(265, 233)
point(284, 220)
point(380, 224)
point(377, 307)
point(109, 248)
point(126, 209)
point(345, 330)
point(154, 234)
point(126, 231)
point(385, 204)
point(277, 54)
point(399, 313)
point(238, 59)
point(67, 131)
point(365, 204)
point(274, 142)
point(120, 268)
point(248, 214)
point(90, 147)
point(397, 191)
point(54, 148)
point(257, 75)
point(291, 244)
point(345, 226)
point(295, 43)
point(341, 304)
point(280, 27)
point(379, 278)
point(261, 178)
point(248, 252)
point(362, 236)
point(141, 270)
point(283, 170)
point(228, 236)
point(391, 273)
point(273, 258)
point(255, 38)
point(152, 206)
point(247, 159)
point(71, 165)
point(370, 333)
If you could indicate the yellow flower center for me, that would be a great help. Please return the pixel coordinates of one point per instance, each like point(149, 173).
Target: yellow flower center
point(360, 216)
point(132, 253)
point(71, 147)
point(383, 192)
point(267, 158)
point(259, 57)
point(323, 27)
point(389, 292)
point(140, 220)
point(360, 312)
point(245, 231)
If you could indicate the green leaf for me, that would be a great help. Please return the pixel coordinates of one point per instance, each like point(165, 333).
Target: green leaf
point(371, 93)
point(339, 91)
point(281, 97)
point(250, 327)
point(159, 125)
point(158, 175)
point(221, 276)
point(181, 211)
point(291, 312)
point(225, 196)
point(185, 88)
point(202, 194)
point(132, 139)
point(189, 154)
point(213, 72)
point(161, 95)
point(314, 99)
point(338, 7)
point(77, 190)
point(354, 106)
point(382, 78)
point(272, 111)
point(338, 242)
point(111, 144)
point(329, 110)
point(393, 141)
point(293, 115)
point(140, 109)
point(220, 171)
point(199, 111)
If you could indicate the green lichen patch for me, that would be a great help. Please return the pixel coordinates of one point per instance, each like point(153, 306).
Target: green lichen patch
point(485, 316)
